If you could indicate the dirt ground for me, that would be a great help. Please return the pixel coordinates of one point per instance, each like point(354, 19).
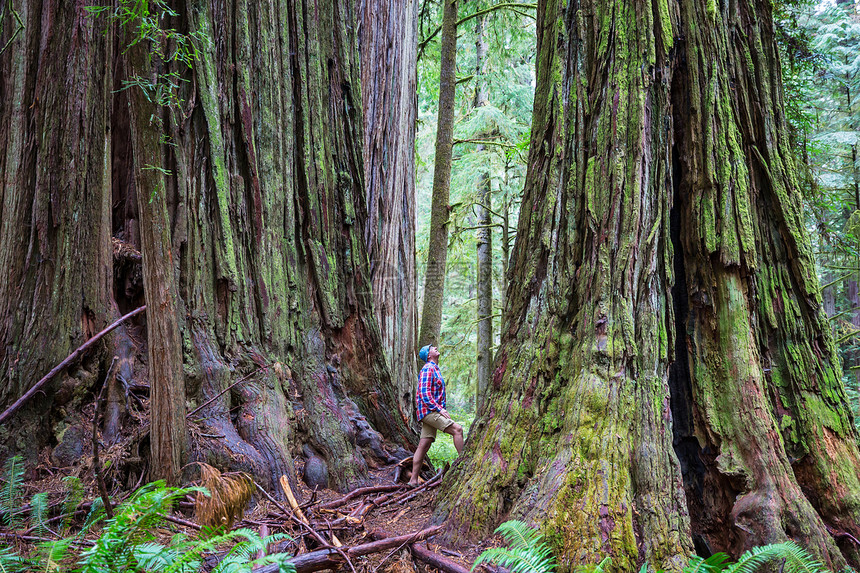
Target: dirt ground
point(392, 508)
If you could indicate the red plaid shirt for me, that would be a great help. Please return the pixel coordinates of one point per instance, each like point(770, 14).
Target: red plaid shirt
point(430, 396)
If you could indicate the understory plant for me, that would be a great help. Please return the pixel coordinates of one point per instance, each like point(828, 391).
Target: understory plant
point(132, 540)
point(528, 553)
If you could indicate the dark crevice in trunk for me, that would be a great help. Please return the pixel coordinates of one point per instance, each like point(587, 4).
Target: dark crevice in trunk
point(680, 387)
point(710, 494)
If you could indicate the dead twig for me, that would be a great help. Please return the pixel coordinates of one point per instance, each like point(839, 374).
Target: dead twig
point(327, 558)
point(357, 492)
point(221, 393)
point(69, 359)
point(181, 522)
point(97, 466)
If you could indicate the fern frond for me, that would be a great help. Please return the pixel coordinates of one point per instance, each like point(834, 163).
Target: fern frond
point(518, 560)
point(797, 559)
point(52, 553)
point(10, 494)
point(11, 562)
point(518, 534)
point(599, 568)
point(74, 497)
point(527, 553)
point(39, 513)
point(190, 557)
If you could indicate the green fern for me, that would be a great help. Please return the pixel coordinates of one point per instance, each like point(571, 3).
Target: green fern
point(74, 497)
point(797, 559)
point(39, 513)
point(132, 525)
point(11, 562)
point(11, 492)
point(713, 564)
point(527, 552)
point(240, 559)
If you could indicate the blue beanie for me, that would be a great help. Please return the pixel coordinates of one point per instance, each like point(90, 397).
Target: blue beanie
point(422, 354)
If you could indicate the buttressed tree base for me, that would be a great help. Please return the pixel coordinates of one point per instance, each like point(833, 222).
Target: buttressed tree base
point(258, 179)
point(667, 380)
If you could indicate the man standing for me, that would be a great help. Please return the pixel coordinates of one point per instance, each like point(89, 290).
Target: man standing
point(430, 402)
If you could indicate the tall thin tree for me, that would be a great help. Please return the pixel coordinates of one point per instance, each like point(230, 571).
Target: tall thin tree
point(437, 251)
point(484, 235)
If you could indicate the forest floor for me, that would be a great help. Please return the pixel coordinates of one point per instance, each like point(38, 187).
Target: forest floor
point(370, 516)
point(366, 520)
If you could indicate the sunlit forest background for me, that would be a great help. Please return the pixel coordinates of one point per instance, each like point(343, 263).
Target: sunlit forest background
point(820, 45)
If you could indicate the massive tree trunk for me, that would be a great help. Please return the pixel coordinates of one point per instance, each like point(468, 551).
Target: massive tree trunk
point(389, 50)
point(265, 199)
point(667, 374)
point(437, 249)
point(55, 246)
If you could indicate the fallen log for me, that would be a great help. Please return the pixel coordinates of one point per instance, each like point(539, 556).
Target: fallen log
point(330, 558)
point(433, 559)
point(424, 554)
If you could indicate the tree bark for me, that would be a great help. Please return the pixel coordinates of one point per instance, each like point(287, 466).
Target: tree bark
point(168, 436)
point(667, 375)
point(437, 250)
point(484, 236)
point(260, 224)
point(54, 208)
point(389, 43)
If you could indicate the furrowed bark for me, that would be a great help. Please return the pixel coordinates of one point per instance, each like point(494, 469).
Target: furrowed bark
point(389, 41)
point(666, 374)
point(260, 224)
point(54, 207)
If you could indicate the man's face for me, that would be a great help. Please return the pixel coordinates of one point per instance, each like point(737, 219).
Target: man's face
point(433, 354)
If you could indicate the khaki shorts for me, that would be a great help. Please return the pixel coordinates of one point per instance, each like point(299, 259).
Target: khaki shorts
point(432, 422)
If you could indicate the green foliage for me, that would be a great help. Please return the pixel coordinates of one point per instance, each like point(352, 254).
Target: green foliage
point(11, 562)
point(11, 496)
point(133, 524)
point(527, 552)
point(797, 559)
point(39, 513)
point(490, 141)
point(443, 450)
point(147, 21)
point(129, 541)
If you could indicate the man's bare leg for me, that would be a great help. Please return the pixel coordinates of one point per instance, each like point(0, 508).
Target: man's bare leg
point(456, 430)
point(418, 459)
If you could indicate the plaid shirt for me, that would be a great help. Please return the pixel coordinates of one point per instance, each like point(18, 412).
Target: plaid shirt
point(430, 396)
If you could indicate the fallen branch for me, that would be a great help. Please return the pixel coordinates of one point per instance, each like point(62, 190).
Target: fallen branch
point(320, 539)
point(329, 558)
point(69, 359)
point(288, 491)
point(97, 467)
point(357, 492)
point(221, 393)
point(409, 494)
point(438, 561)
point(181, 522)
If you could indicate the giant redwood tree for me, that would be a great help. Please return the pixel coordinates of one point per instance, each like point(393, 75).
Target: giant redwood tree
point(389, 53)
point(667, 381)
point(259, 181)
